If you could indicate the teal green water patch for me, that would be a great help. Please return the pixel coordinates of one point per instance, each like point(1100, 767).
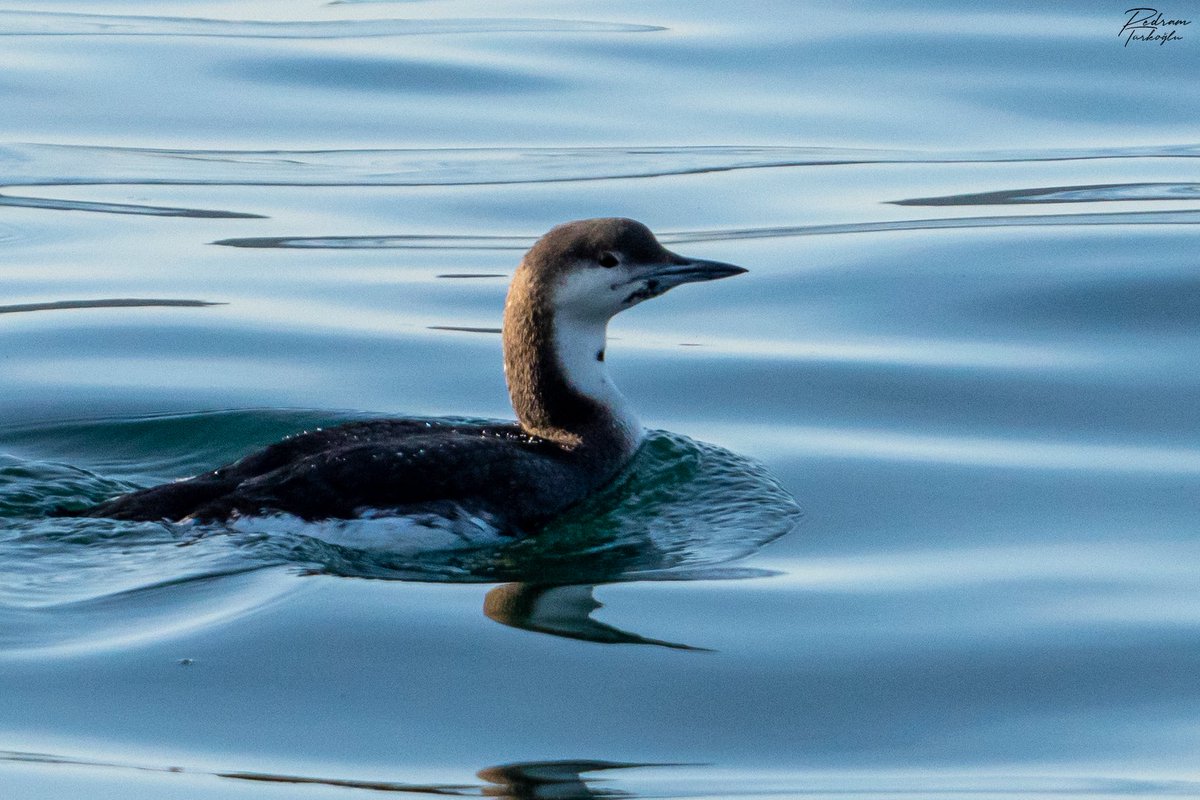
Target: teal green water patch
point(33, 489)
point(157, 448)
point(694, 504)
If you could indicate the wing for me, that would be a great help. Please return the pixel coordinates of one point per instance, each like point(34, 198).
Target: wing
point(515, 477)
point(307, 443)
point(337, 472)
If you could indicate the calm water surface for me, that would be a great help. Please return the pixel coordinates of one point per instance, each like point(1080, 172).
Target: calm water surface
point(966, 350)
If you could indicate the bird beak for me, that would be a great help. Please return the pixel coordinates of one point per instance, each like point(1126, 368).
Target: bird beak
point(681, 269)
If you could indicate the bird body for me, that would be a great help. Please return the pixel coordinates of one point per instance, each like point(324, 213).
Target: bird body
point(575, 430)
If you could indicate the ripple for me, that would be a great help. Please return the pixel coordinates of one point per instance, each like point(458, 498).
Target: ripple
point(1093, 193)
point(156, 447)
point(146, 613)
point(451, 242)
point(912, 352)
point(120, 208)
point(121, 302)
point(575, 778)
point(1134, 304)
point(910, 572)
point(472, 275)
point(463, 329)
point(52, 23)
point(402, 242)
point(391, 76)
point(966, 451)
point(1186, 217)
point(9, 234)
point(51, 164)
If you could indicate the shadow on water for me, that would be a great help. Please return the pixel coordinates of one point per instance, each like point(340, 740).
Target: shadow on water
point(683, 511)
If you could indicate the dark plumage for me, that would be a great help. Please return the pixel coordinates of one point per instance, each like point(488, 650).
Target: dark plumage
point(335, 473)
point(567, 443)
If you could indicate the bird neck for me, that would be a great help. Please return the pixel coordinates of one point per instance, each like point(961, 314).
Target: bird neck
point(558, 380)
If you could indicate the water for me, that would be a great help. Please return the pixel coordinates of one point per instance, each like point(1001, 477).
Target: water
point(965, 351)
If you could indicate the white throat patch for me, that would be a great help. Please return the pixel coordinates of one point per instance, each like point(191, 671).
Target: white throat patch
point(580, 348)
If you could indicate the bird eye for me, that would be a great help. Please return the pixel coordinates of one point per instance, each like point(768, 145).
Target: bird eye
point(608, 260)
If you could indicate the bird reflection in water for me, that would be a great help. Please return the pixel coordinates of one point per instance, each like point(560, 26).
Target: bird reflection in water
point(527, 780)
point(560, 611)
point(551, 780)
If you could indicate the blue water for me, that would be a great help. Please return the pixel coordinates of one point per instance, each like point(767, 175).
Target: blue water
point(920, 517)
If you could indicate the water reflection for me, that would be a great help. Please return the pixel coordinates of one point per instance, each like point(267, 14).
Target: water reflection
point(547, 780)
point(524, 780)
point(560, 611)
point(578, 779)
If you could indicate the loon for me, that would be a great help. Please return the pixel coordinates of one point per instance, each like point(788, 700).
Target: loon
point(574, 433)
